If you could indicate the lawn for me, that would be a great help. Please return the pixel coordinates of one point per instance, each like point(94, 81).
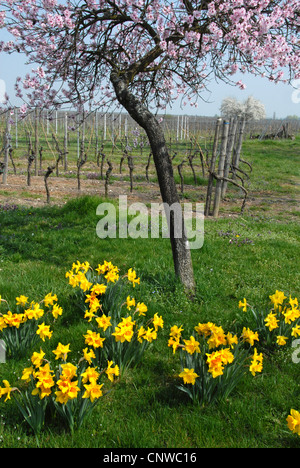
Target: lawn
point(244, 256)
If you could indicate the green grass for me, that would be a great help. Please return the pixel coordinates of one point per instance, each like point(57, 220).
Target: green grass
point(274, 163)
point(145, 409)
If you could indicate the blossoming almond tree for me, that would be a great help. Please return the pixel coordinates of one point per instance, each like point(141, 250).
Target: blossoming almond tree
point(145, 54)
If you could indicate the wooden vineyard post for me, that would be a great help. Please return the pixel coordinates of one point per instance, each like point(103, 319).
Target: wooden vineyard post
point(228, 160)
point(66, 143)
point(212, 168)
point(236, 158)
point(36, 139)
point(221, 168)
point(7, 146)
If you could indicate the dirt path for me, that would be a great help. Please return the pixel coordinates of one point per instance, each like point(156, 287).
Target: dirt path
point(62, 189)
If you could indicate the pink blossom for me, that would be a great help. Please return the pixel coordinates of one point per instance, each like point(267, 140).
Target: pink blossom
point(164, 45)
point(23, 109)
point(2, 18)
point(241, 85)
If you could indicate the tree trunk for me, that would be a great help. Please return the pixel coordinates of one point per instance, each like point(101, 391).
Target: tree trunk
point(140, 113)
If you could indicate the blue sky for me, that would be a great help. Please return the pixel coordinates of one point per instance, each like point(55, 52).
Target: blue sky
point(276, 98)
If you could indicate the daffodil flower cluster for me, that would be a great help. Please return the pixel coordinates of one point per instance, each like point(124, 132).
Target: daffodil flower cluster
point(72, 389)
point(21, 329)
point(119, 328)
point(213, 361)
point(279, 325)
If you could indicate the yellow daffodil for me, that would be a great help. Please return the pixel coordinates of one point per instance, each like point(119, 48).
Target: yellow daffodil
point(217, 337)
point(281, 340)
point(111, 371)
point(111, 276)
point(188, 376)
point(56, 311)
point(293, 302)
point(141, 333)
point(50, 299)
point(93, 339)
point(44, 331)
point(89, 314)
point(37, 358)
point(90, 374)
point(293, 421)
point(141, 308)
point(175, 331)
point(290, 314)
point(205, 328)
point(68, 371)
point(98, 289)
point(92, 391)
point(68, 390)
point(150, 335)
point(34, 311)
point(158, 322)
point(21, 300)
point(6, 390)
point(217, 360)
point(88, 355)
point(272, 321)
point(191, 345)
point(256, 363)
point(3, 324)
point(174, 343)
point(277, 298)
point(61, 351)
point(131, 275)
point(103, 322)
point(249, 336)
point(243, 304)
point(130, 302)
point(296, 331)
point(231, 339)
point(27, 372)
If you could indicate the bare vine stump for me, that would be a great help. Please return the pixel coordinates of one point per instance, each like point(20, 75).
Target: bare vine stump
point(131, 168)
point(107, 176)
point(31, 158)
point(179, 167)
point(48, 173)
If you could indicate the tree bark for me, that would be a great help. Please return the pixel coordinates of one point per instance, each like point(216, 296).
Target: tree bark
point(140, 113)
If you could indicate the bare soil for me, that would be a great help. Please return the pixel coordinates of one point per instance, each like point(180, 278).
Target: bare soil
point(64, 188)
